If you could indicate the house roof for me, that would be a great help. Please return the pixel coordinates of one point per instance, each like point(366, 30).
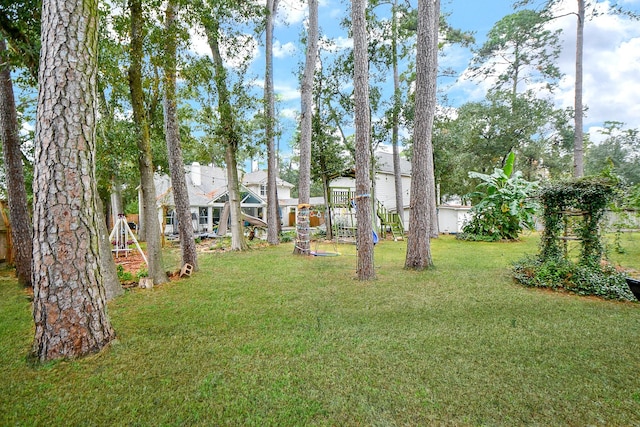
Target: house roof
point(384, 163)
point(206, 183)
point(260, 178)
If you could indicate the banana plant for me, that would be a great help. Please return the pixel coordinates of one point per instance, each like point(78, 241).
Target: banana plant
point(506, 205)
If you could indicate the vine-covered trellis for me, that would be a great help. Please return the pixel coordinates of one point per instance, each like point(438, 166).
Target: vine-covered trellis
point(586, 198)
point(574, 210)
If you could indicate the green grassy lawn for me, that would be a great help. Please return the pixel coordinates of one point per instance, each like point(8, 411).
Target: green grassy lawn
point(267, 338)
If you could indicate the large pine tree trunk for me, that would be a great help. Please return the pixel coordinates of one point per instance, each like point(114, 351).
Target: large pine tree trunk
point(395, 117)
point(174, 148)
point(302, 245)
point(238, 243)
point(145, 160)
point(112, 286)
point(366, 269)
point(18, 206)
point(578, 144)
point(273, 219)
point(230, 137)
point(69, 297)
point(422, 173)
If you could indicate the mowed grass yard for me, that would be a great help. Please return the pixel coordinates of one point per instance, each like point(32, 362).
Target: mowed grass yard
point(266, 338)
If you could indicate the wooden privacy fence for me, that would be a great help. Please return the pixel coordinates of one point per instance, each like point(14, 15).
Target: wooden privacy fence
point(5, 234)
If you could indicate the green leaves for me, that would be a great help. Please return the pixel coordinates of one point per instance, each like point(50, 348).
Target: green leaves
point(506, 206)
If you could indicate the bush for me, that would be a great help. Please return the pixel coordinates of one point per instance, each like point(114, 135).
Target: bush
point(287, 236)
point(477, 237)
point(123, 276)
point(506, 206)
point(583, 279)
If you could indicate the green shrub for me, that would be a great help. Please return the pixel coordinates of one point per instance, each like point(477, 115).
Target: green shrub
point(123, 276)
point(287, 236)
point(505, 207)
point(473, 236)
point(583, 279)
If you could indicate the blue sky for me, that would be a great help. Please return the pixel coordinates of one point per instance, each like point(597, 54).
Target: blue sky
point(611, 61)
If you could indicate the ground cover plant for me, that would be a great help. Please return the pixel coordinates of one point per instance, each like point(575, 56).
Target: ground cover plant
point(267, 338)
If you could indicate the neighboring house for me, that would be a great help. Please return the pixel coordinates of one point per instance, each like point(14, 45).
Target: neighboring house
point(208, 193)
point(385, 187)
point(450, 218)
point(257, 182)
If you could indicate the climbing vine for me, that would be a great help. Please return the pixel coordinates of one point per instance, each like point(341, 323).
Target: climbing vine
point(574, 209)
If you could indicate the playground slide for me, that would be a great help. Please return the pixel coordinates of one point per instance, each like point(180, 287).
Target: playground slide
point(253, 220)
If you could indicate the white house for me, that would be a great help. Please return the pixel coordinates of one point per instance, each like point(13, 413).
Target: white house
point(451, 218)
point(208, 193)
point(384, 190)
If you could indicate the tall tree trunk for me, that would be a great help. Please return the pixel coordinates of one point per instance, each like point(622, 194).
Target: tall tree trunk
point(69, 307)
point(431, 185)
point(273, 219)
point(366, 270)
point(112, 286)
point(174, 148)
point(238, 243)
point(423, 181)
point(302, 246)
point(578, 141)
point(145, 159)
point(117, 204)
point(395, 117)
point(18, 206)
point(230, 137)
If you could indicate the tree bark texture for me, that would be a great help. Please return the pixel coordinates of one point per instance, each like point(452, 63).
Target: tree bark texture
point(145, 160)
point(397, 172)
point(302, 245)
point(174, 147)
point(578, 142)
point(231, 140)
point(112, 286)
point(422, 180)
point(366, 270)
point(69, 297)
point(269, 106)
point(19, 216)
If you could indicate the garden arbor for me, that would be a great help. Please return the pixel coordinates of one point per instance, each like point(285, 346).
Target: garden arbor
point(573, 210)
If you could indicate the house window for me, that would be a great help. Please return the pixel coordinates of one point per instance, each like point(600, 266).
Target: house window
point(263, 190)
point(169, 217)
point(204, 216)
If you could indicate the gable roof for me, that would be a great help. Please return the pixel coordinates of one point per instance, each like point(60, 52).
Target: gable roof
point(384, 163)
point(259, 177)
point(205, 184)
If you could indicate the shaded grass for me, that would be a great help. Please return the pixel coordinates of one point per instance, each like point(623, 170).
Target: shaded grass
point(267, 338)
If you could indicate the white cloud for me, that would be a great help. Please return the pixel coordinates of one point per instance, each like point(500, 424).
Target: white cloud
point(289, 113)
point(286, 92)
point(611, 82)
point(245, 46)
point(291, 12)
point(284, 50)
point(335, 44)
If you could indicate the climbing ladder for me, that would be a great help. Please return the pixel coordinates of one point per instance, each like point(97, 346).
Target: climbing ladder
point(390, 222)
point(343, 215)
